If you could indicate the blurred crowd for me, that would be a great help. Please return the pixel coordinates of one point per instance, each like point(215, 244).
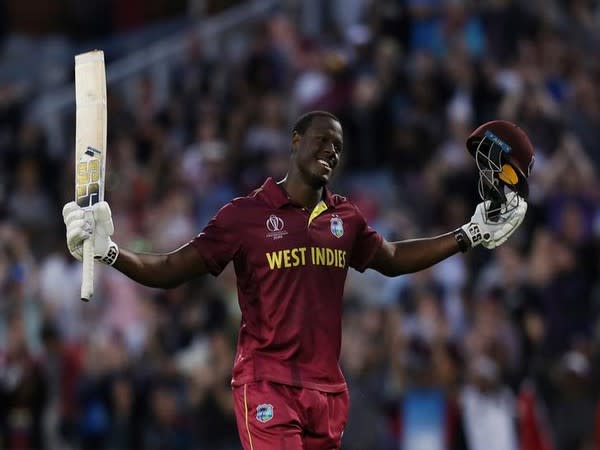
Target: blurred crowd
point(489, 350)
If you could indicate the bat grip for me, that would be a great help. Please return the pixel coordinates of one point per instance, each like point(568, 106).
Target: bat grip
point(87, 276)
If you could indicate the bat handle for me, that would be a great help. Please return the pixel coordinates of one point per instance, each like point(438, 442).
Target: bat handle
point(87, 276)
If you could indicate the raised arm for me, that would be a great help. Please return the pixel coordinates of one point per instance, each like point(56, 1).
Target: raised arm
point(397, 258)
point(162, 270)
point(154, 270)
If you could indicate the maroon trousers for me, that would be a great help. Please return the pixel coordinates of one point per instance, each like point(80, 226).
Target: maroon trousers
point(273, 416)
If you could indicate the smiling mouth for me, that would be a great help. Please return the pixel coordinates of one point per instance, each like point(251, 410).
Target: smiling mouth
point(325, 164)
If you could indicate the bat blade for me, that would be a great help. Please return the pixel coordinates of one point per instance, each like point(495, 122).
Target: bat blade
point(90, 147)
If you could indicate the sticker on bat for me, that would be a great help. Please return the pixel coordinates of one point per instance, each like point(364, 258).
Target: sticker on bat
point(88, 178)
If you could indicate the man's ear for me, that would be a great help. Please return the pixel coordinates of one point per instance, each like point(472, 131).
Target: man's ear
point(295, 141)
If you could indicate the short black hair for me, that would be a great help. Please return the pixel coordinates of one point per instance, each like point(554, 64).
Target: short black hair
point(304, 121)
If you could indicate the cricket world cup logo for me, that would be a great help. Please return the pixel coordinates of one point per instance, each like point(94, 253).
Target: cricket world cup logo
point(275, 226)
point(274, 223)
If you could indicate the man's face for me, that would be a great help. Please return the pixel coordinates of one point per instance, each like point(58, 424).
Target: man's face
point(317, 152)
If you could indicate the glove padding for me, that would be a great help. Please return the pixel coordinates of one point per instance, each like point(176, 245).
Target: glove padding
point(95, 223)
point(480, 230)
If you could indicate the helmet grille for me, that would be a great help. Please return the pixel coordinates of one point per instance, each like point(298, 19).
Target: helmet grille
point(497, 177)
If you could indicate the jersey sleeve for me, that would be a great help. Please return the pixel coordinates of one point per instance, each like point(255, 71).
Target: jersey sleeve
point(219, 241)
point(366, 244)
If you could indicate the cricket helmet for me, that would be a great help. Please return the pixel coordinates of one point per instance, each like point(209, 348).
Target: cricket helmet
point(504, 157)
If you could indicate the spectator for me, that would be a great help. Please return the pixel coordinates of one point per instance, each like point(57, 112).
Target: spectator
point(409, 80)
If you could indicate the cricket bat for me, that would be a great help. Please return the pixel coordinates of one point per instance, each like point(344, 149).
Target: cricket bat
point(90, 147)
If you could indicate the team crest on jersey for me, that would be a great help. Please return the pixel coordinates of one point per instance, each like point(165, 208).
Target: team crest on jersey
point(337, 227)
point(264, 412)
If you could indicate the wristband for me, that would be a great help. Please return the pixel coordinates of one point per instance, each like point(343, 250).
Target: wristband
point(462, 240)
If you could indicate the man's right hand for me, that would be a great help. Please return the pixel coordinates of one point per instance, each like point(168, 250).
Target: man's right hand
point(95, 223)
point(490, 234)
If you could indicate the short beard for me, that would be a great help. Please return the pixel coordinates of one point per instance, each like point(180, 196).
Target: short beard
point(314, 181)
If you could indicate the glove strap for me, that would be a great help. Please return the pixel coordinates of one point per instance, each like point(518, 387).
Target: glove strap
point(111, 255)
point(463, 241)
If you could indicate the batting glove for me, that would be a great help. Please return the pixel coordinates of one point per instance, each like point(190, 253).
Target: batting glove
point(95, 223)
point(491, 234)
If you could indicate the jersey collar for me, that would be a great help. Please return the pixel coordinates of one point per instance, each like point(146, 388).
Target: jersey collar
point(277, 196)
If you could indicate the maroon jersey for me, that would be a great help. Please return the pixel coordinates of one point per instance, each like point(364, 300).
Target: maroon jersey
point(291, 266)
